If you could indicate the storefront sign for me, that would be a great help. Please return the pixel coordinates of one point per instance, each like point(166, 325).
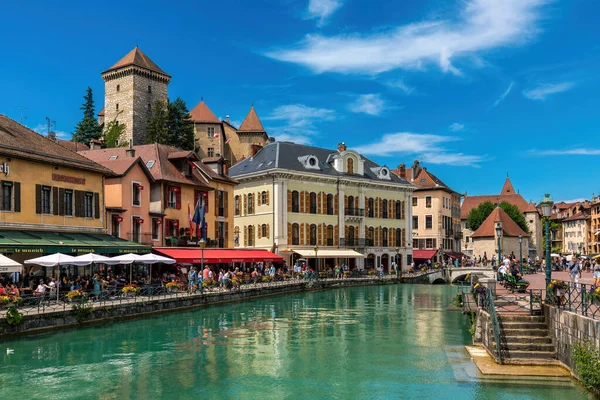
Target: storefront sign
point(69, 179)
point(4, 167)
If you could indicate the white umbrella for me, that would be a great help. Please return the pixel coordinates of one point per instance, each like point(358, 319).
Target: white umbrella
point(155, 259)
point(95, 258)
point(8, 265)
point(554, 255)
point(126, 259)
point(54, 260)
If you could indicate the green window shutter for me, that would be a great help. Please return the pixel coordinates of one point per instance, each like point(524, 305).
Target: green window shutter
point(38, 199)
point(54, 200)
point(97, 205)
point(17, 189)
point(61, 201)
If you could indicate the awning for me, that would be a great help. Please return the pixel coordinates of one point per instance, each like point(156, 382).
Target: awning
point(423, 254)
point(213, 256)
point(330, 253)
point(25, 241)
point(7, 265)
point(453, 254)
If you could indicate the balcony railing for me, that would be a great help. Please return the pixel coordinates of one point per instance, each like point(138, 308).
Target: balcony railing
point(355, 212)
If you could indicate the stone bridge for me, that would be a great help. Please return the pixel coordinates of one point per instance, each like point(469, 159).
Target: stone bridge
point(450, 275)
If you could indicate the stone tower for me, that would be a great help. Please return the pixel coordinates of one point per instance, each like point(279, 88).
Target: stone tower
point(131, 86)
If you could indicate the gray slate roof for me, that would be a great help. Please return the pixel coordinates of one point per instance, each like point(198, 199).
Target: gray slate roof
point(284, 155)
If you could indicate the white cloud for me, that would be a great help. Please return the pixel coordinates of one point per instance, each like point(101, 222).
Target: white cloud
point(482, 25)
point(427, 147)
point(503, 95)
point(42, 129)
point(545, 90)
point(566, 152)
point(371, 104)
point(321, 10)
point(297, 122)
point(457, 127)
point(399, 84)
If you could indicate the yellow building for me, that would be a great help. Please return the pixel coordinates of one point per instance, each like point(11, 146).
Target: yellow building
point(51, 199)
point(294, 197)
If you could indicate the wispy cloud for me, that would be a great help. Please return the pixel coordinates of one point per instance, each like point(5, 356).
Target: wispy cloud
point(541, 92)
point(427, 147)
point(566, 152)
point(371, 104)
point(297, 122)
point(399, 84)
point(42, 129)
point(456, 127)
point(503, 95)
point(321, 10)
point(482, 25)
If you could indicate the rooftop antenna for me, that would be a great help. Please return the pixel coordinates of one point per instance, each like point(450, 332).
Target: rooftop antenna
point(21, 118)
point(48, 122)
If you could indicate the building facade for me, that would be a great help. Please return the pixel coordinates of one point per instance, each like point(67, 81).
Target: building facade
point(512, 241)
point(131, 86)
point(293, 198)
point(435, 211)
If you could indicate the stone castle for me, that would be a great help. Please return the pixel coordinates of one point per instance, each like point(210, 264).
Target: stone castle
point(135, 82)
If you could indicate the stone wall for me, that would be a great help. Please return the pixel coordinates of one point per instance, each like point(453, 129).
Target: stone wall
point(204, 142)
point(110, 311)
point(484, 332)
point(567, 328)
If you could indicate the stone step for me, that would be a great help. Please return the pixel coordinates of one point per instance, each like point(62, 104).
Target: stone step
point(523, 325)
point(528, 339)
point(524, 332)
point(529, 347)
point(537, 355)
point(521, 317)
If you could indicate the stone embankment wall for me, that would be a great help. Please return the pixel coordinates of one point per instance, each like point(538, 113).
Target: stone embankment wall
point(484, 333)
point(567, 328)
point(105, 312)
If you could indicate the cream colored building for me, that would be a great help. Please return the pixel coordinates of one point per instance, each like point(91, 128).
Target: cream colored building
point(485, 238)
point(575, 233)
point(295, 197)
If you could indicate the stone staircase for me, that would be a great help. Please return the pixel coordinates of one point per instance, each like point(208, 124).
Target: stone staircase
point(525, 339)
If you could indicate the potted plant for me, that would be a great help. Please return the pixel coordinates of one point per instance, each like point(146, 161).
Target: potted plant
point(173, 287)
point(207, 284)
point(594, 295)
point(130, 290)
point(266, 278)
point(74, 295)
point(557, 290)
point(6, 300)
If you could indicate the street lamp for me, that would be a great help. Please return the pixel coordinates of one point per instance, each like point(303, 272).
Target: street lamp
point(546, 206)
point(202, 246)
point(397, 261)
point(521, 254)
point(316, 262)
point(498, 234)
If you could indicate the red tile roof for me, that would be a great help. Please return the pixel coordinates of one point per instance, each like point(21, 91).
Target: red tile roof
point(508, 187)
point(577, 217)
point(424, 180)
point(531, 208)
point(21, 142)
point(488, 227)
point(252, 123)
point(471, 202)
point(101, 113)
point(138, 58)
point(73, 146)
point(201, 113)
point(123, 166)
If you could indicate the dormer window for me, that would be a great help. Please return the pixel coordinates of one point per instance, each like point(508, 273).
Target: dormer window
point(382, 173)
point(350, 166)
point(309, 162)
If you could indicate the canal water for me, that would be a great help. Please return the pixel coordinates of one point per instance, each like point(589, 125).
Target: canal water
point(378, 342)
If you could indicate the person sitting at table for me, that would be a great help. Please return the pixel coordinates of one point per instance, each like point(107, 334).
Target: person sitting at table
point(13, 291)
point(41, 288)
point(515, 273)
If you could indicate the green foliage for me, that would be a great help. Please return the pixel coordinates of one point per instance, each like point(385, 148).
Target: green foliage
point(554, 225)
point(473, 319)
point(14, 317)
point(158, 126)
point(481, 212)
point(82, 311)
point(112, 135)
point(587, 366)
point(88, 128)
point(458, 300)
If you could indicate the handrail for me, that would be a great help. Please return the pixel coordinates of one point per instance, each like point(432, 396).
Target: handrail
point(491, 309)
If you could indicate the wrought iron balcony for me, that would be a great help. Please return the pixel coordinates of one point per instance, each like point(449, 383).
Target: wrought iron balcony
point(354, 212)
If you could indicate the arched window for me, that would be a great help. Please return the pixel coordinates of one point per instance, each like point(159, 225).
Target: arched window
point(384, 209)
point(250, 204)
point(398, 237)
point(398, 209)
point(330, 235)
point(313, 203)
point(350, 165)
point(313, 235)
point(371, 207)
point(236, 205)
point(264, 231)
point(330, 206)
point(384, 237)
point(350, 209)
point(370, 236)
point(295, 201)
point(264, 199)
point(350, 238)
point(295, 234)
point(236, 236)
point(250, 236)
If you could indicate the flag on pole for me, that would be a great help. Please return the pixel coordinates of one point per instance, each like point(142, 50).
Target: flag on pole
point(190, 218)
point(198, 217)
point(228, 140)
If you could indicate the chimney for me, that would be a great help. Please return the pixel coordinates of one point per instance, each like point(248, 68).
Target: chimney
point(341, 147)
point(130, 152)
point(254, 148)
point(416, 169)
point(95, 144)
point(402, 170)
point(227, 119)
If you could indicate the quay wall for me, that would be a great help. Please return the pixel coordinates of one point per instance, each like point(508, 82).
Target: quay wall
point(109, 312)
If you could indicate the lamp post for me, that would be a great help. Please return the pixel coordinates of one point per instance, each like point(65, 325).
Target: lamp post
point(202, 245)
point(316, 262)
point(546, 206)
point(397, 261)
point(498, 234)
point(521, 254)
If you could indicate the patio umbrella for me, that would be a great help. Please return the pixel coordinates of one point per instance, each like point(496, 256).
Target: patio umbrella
point(554, 255)
point(8, 265)
point(55, 259)
point(128, 259)
point(155, 259)
point(92, 258)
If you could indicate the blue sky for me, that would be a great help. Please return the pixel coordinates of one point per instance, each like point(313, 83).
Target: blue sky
point(475, 89)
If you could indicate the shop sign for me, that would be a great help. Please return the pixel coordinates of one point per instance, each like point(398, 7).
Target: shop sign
point(5, 168)
point(68, 179)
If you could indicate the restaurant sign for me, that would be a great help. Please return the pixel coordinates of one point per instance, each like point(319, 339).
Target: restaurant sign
point(68, 179)
point(5, 168)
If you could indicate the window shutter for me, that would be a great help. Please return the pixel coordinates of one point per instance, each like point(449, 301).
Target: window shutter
point(54, 200)
point(403, 205)
point(320, 233)
point(345, 202)
point(61, 201)
point(216, 231)
point(306, 202)
point(97, 205)
point(403, 237)
point(166, 194)
point(289, 201)
point(376, 238)
point(376, 206)
point(302, 201)
point(289, 236)
point(336, 205)
point(356, 203)
point(346, 233)
point(244, 203)
point(178, 199)
point(380, 208)
point(319, 207)
point(391, 238)
point(268, 203)
point(38, 199)
point(301, 234)
point(226, 233)
point(217, 202)
point(77, 196)
point(167, 226)
point(259, 199)
point(366, 207)
point(259, 229)
point(245, 236)
point(268, 231)
point(391, 206)
point(226, 205)
point(17, 191)
point(336, 236)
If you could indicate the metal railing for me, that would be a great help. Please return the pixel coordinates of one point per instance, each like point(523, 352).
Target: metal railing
point(354, 212)
point(575, 298)
point(490, 307)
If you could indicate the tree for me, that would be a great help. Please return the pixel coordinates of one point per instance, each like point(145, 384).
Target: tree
point(181, 126)
point(112, 134)
point(88, 128)
point(158, 126)
point(481, 212)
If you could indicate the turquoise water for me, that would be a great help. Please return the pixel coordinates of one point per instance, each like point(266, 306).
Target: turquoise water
point(379, 342)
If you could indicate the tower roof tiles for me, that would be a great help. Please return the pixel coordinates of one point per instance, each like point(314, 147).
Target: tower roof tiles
point(252, 123)
point(201, 113)
point(138, 58)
